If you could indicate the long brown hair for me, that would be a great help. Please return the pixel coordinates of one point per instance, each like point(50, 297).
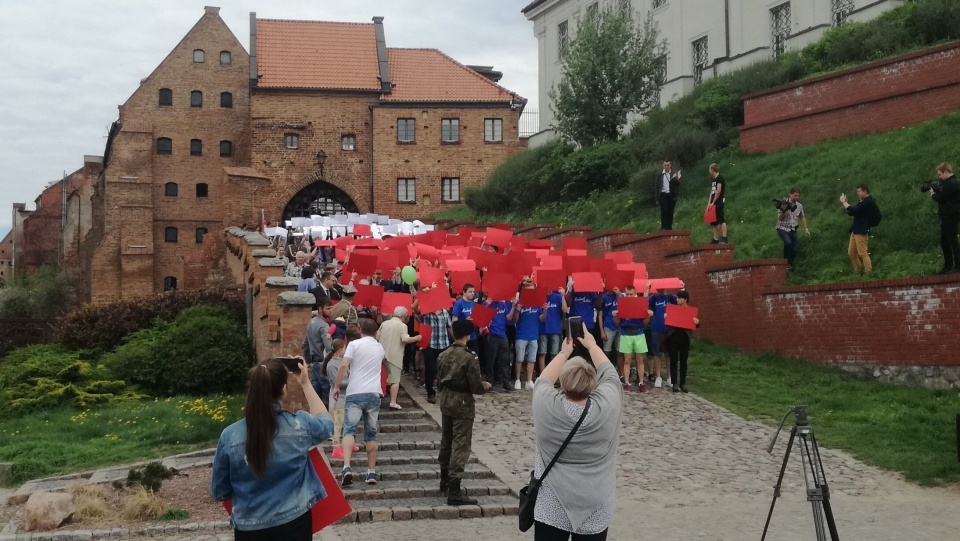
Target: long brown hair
point(335, 346)
point(266, 385)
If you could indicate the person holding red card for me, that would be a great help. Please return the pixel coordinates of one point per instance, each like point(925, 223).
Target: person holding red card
point(497, 360)
point(551, 328)
point(261, 461)
point(528, 337)
point(440, 339)
point(678, 347)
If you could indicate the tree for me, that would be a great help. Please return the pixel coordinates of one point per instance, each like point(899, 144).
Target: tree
point(612, 67)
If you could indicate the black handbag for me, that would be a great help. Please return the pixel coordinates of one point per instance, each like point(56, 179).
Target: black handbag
point(528, 494)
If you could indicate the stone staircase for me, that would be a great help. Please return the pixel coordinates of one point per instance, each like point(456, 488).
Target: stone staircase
point(409, 474)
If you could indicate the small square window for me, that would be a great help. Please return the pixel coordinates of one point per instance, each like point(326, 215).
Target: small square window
point(450, 130)
point(196, 98)
point(202, 189)
point(198, 56)
point(170, 234)
point(225, 58)
point(164, 145)
point(166, 96)
point(406, 190)
point(450, 190)
point(201, 231)
point(493, 130)
point(406, 130)
point(226, 100)
point(348, 142)
point(169, 283)
point(291, 140)
point(170, 189)
point(226, 149)
point(196, 147)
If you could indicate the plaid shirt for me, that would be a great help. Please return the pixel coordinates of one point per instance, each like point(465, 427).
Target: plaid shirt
point(440, 322)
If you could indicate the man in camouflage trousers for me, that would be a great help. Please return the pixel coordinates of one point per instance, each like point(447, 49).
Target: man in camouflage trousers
point(458, 379)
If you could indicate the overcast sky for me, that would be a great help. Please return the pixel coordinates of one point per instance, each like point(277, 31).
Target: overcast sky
point(68, 64)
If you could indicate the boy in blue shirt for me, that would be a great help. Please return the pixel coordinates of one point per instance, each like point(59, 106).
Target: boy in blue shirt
point(551, 327)
point(610, 331)
point(463, 309)
point(497, 350)
point(658, 331)
point(528, 337)
point(632, 343)
point(585, 306)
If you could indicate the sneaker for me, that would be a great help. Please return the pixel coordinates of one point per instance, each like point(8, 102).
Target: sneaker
point(626, 387)
point(397, 407)
point(516, 385)
point(337, 453)
point(432, 398)
point(529, 385)
point(669, 382)
point(657, 383)
point(346, 477)
point(371, 478)
point(715, 241)
point(507, 388)
point(643, 389)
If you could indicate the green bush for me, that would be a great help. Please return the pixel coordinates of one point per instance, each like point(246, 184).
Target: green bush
point(46, 294)
point(41, 377)
point(204, 350)
point(511, 184)
point(104, 327)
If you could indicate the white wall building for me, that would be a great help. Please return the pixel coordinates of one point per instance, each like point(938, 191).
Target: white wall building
point(705, 38)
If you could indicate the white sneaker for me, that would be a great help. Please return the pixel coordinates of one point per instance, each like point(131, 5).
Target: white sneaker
point(529, 385)
point(658, 382)
point(516, 385)
point(669, 382)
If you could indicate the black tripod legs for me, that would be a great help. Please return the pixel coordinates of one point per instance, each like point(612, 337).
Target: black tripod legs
point(776, 487)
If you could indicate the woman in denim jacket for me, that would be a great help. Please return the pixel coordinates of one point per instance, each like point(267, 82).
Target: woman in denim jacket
point(261, 461)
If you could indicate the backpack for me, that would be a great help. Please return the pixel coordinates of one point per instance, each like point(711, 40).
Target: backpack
point(876, 217)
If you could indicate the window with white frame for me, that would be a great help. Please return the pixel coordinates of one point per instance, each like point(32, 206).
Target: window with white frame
point(493, 130)
point(406, 130)
point(450, 130)
point(450, 190)
point(291, 140)
point(348, 142)
point(780, 28)
point(406, 190)
point(701, 53)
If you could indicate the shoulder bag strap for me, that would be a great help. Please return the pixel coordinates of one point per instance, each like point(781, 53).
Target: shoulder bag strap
point(567, 441)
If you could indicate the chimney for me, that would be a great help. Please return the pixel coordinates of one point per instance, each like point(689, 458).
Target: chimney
point(254, 74)
point(211, 10)
point(386, 86)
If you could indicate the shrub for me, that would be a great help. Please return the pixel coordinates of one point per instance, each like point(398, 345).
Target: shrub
point(46, 294)
point(45, 376)
point(89, 500)
point(104, 327)
point(175, 514)
point(151, 477)
point(511, 183)
point(204, 350)
point(141, 504)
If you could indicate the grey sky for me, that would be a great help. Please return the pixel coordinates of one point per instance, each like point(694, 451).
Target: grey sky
point(68, 64)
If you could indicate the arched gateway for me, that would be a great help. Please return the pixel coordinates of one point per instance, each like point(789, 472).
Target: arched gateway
point(319, 198)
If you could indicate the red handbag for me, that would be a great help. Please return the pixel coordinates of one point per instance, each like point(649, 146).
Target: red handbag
point(710, 215)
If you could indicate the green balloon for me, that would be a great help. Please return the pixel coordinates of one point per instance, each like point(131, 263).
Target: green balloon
point(409, 275)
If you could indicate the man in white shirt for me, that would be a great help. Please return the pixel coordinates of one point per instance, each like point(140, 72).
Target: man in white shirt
point(362, 359)
point(666, 190)
point(394, 337)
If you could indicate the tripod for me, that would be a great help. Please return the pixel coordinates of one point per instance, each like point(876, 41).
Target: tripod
point(818, 494)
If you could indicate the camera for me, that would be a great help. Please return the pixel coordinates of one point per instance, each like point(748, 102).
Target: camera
point(928, 185)
point(784, 205)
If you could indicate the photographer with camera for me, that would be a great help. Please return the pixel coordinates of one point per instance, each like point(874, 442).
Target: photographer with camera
point(946, 192)
point(863, 215)
point(790, 216)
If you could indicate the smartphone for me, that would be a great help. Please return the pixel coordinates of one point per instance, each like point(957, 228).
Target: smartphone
point(291, 364)
point(575, 328)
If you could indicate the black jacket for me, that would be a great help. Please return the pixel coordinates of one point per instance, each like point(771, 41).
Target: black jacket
point(948, 197)
point(657, 187)
point(862, 212)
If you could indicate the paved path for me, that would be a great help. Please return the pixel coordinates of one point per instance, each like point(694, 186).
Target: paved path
point(690, 470)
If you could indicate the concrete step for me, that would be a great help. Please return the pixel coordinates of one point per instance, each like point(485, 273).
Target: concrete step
point(429, 509)
point(399, 441)
point(410, 472)
point(403, 425)
point(419, 488)
point(403, 457)
point(412, 413)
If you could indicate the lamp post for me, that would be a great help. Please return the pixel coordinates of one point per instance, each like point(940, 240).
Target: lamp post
point(321, 159)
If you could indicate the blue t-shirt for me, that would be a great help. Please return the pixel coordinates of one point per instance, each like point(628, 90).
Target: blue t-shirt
point(528, 326)
point(462, 309)
point(609, 305)
point(498, 326)
point(582, 305)
point(658, 303)
point(553, 322)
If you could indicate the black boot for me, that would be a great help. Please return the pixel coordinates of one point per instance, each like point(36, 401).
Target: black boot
point(444, 481)
point(458, 496)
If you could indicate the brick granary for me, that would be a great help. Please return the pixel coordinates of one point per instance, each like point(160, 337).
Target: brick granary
point(319, 118)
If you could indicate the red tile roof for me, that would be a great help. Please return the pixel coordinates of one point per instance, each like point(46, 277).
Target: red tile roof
point(430, 75)
point(317, 54)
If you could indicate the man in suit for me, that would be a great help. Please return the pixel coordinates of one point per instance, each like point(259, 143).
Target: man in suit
point(327, 288)
point(666, 190)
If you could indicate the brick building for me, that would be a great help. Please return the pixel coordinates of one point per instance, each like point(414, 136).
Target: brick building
point(6, 257)
point(215, 136)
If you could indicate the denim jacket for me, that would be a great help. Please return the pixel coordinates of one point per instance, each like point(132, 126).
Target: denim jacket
point(290, 486)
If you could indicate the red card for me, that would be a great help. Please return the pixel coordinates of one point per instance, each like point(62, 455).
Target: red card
point(549, 279)
point(425, 332)
point(368, 295)
point(620, 279)
point(500, 286)
point(551, 262)
point(639, 270)
point(328, 510)
point(362, 230)
point(533, 297)
point(498, 237)
point(574, 243)
point(464, 265)
point(522, 263)
point(666, 283)
point(710, 215)
point(388, 260)
point(540, 243)
point(364, 263)
point(482, 315)
point(518, 244)
point(619, 257)
point(392, 300)
point(604, 266)
point(681, 316)
point(426, 252)
point(475, 241)
point(632, 308)
point(431, 275)
point(344, 242)
point(434, 300)
point(576, 263)
point(460, 278)
point(324, 243)
point(585, 282)
point(574, 251)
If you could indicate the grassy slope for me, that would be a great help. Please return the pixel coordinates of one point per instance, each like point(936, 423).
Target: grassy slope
point(892, 163)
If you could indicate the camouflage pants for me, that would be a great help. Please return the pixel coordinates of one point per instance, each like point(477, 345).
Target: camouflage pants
point(455, 445)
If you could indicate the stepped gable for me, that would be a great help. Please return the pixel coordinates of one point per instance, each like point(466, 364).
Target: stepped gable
point(317, 55)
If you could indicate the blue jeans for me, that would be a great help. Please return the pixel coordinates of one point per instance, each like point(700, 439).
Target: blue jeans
point(364, 406)
point(789, 239)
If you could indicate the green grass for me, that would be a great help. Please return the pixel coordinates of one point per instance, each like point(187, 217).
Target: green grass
point(893, 164)
point(65, 440)
point(904, 429)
